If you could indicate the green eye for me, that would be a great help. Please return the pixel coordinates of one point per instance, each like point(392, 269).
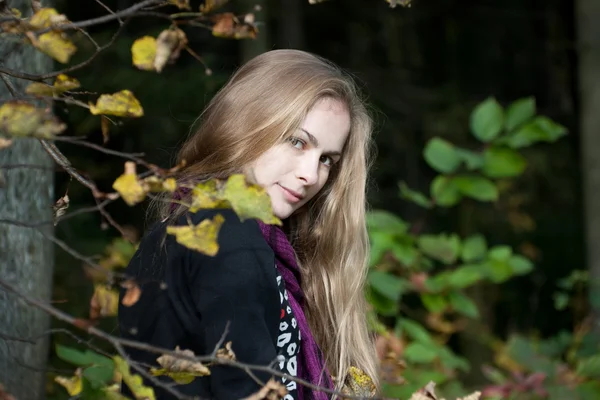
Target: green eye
point(297, 143)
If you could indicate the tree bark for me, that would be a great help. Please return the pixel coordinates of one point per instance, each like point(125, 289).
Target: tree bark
point(26, 257)
point(588, 32)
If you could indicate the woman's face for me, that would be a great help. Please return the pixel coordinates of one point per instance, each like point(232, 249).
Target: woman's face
point(295, 171)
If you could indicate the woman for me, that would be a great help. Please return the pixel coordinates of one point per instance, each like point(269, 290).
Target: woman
point(293, 297)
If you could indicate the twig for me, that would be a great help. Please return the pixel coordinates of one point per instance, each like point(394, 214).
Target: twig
point(9, 85)
point(61, 160)
point(128, 12)
point(107, 8)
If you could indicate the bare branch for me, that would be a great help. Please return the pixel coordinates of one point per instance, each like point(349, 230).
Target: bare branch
point(9, 85)
point(6, 336)
point(128, 12)
point(107, 8)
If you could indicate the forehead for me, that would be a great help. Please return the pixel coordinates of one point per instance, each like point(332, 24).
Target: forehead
point(329, 121)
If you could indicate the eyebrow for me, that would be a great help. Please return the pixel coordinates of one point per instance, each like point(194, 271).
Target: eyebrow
point(315, 142)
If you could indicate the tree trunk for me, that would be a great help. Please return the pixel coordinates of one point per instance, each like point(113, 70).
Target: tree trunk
point(26, 257)
point(588, 32)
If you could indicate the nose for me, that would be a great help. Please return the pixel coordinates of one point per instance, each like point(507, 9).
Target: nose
point(308, 170)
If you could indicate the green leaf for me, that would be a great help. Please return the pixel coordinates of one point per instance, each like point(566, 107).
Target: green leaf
point(498, 270)
point(385, 221)
point(438, 282)
point(405, 252)
point(97, 368)
point(451, 360)
point(441, 155)
point(419, 353)
point(382, 304)
point(540, 129)
point(502, 253)
point(387, 285)
point(435, 303)
point(519, 112)
point(380, 242)
point(476, 187)
point(474, 248)
point(443, 247)
point(520, 265)
point(462, 304)
point(487, 120)
point(472, 160)
point(561, 300)
point(503, 162)
point(465, 276)
point(413, 330)
point(444, 191)
point(414, 196)
point(133, 381)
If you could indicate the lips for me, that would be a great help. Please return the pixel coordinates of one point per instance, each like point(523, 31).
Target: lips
point(292, 193)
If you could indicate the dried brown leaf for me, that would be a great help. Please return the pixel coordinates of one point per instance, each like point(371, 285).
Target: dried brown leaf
point(273, 390)
point(133, 293)
point(105, 127)
point(60, 207)
point(169, 44)
point(181, 4)
point(227, 25)
point(226, 353)
point(175, 364)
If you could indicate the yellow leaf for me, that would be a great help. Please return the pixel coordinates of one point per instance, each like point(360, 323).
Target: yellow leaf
point(20, 119)
point(211, 5)
point(55, 45)
point(182, 4)
point(359, 383)
point(227, 25)
point(206, 195)
point(201, 237)
point(62, 84)
point(72, 384)
point(133, 381)
point(104, 302)
point(129, 187)
point(143, 52)
point(155, 184)
point(170, 185)
point(120, 104)
point(249, 200)
point(4, 143)
point(46, 17)
point(169, 44)
point(16, 12)
point(118, 254)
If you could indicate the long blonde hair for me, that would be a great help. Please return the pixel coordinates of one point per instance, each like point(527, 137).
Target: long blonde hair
point(264, 102)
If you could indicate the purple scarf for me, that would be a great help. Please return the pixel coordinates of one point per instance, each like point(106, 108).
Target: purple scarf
point(310, 365)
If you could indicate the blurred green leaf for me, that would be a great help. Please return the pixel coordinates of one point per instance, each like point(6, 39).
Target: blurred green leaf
point(413, 330)
point(435, 303)
point(442, 247)
point(382, 304)
point(540, 129)
point(405, 252)
point(589, 367)
point(502, 253)
point(444, 191)
point(388, 285)
point(519, 112)
point(463, 304)
point(471, 159)
point(520, 265)
point(523, 351)
point(503, 162)
point(465, 276)
point(451, 360)
point(417, 352)
point(385, 221)
point(487, 120)
point(414, 196)
point(498, 270)
point(474, 248)
point(380, 242)
point(561, 300)
point(96, 368)
point(476, 187)
point(441, 155)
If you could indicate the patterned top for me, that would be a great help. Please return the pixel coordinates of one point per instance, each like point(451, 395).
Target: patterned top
point(288, 341)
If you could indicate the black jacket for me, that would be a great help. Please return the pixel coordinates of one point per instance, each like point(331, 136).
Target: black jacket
point(187, 299)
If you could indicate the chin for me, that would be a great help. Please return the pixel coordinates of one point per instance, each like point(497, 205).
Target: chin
point(282, 211)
